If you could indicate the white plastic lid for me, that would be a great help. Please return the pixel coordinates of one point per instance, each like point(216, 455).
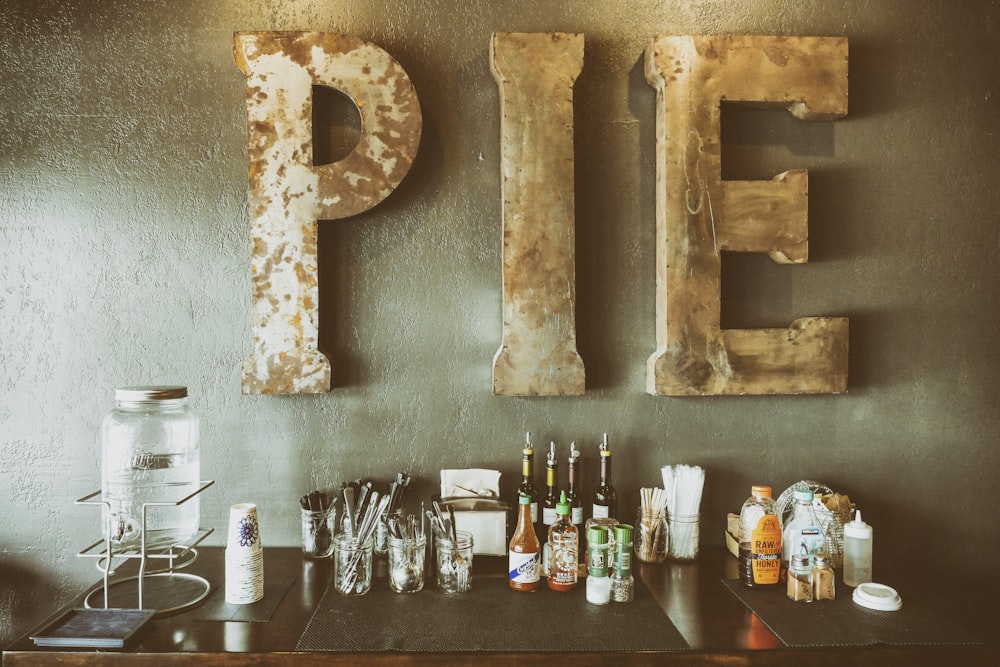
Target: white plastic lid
point(858, 529)
point(877, 596)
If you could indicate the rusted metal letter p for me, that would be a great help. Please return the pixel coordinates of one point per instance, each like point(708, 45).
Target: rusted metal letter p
point(288, 193)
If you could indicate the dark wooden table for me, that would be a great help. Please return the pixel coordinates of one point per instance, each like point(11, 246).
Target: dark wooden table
point(717, 626)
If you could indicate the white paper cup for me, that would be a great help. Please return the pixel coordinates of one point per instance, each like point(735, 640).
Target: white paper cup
point(244, 529)
point(244, 576)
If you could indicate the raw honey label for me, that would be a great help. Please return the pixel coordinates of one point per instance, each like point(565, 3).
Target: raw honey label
point(765, 550)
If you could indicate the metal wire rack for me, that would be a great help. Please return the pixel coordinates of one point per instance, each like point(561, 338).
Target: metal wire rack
point(175, 557)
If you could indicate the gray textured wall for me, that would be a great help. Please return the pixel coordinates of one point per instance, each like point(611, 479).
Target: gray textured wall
point(124, 259)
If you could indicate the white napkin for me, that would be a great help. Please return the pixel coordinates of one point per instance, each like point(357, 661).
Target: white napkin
point(470, 483)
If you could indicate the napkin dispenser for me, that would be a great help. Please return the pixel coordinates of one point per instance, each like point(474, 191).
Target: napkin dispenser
point(485, 518)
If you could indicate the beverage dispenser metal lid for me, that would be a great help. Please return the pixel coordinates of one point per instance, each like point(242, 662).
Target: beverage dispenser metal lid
point(151, 393)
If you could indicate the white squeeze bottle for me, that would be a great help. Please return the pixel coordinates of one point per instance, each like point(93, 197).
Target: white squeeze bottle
point(857, 551)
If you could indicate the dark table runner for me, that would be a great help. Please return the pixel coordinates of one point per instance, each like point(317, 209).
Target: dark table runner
point(216, 608)
point(491, 617)
point(840, 622)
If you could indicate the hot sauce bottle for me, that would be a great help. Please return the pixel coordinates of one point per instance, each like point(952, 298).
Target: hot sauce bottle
point(564, 540)
point(522, 556)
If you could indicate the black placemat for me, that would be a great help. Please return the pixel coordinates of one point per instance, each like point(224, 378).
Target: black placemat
point(840, 622)
point(216, 608)
point(490, 617)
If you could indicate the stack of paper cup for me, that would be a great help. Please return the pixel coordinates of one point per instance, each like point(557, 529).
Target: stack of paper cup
point(244, 556)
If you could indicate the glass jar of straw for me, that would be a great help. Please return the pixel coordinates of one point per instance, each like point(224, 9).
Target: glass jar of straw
point(684, 534)
point(652, 533)
point(683, 485)
point(651, 536)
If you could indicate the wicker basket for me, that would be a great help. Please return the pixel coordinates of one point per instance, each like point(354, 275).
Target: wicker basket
point(831, 522)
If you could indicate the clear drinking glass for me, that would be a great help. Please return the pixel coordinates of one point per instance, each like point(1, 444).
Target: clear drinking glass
point(406, 564)
point(454, 563)
point(352, 565)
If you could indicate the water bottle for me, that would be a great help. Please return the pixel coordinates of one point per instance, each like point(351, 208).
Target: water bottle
point(802, 533)
point(149, 454)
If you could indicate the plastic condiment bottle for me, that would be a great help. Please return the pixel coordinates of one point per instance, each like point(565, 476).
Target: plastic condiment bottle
point(522, 556)
point(857, 551)
point(564, 540)
point(760, 540)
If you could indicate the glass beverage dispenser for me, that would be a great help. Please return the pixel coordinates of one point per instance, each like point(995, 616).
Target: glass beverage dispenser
point(149, 452)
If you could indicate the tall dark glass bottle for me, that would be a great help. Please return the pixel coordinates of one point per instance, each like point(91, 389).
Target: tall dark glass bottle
point(527, 486)
point(572, 493)
point(551, 490)
point(605, 499)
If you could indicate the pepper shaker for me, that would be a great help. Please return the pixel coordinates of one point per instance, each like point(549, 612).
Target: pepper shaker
point(800, 579)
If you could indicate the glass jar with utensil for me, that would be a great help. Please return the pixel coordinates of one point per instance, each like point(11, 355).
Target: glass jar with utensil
point(454, 562)
point(318, 527)
point(352, 564)
point(406, 563)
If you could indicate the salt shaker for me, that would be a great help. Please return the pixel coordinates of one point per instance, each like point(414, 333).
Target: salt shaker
point(823, 578)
